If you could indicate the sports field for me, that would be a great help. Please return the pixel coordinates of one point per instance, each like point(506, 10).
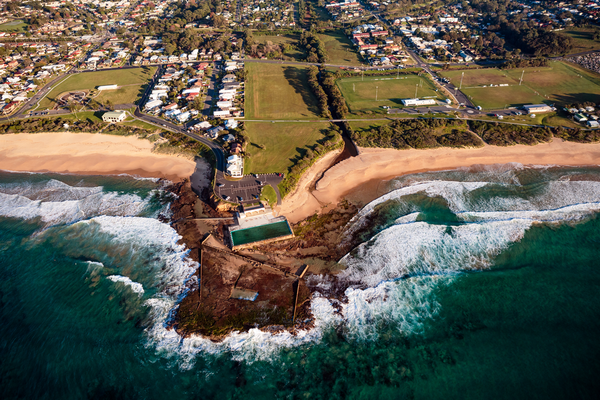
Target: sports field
point(13, 26)
point(132, 80)
point(278, 92)
point(562, 83)
point(558, 83)
point(339, 49)
point(283, 144)
point(374, 92)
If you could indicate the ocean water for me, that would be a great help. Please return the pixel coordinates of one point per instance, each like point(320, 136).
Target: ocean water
point(467, 284)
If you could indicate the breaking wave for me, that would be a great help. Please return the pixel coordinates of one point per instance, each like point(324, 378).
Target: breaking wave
point(55, 202)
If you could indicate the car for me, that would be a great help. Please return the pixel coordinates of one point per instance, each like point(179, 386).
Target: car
point(279, 174)
point(225, 197)
point(240, 198)
point(255, 175)
point(219, 184)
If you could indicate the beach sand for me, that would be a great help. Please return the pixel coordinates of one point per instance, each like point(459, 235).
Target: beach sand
point(359, 178)
point(89, 154)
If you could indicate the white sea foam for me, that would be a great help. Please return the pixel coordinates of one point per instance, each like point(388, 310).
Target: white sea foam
point(55, 202)
point(250, 346)
point(136, 287)
point(175, 268)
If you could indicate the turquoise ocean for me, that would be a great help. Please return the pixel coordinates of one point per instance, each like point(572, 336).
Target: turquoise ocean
point(476, 283)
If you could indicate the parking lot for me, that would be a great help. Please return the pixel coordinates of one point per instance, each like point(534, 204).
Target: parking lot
point(247, 189)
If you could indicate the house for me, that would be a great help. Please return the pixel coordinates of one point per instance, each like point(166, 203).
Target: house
point(580, 118)
point(114, 116)
point(231, 124)
point(591, 124)
point(214, 132)
point(236, 148)
point(201, 126)
point(537, 108)
point(235, 166)
point(229, 138)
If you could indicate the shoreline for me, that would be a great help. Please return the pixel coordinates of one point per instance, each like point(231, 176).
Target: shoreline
point(89, 154)
point(359, 178)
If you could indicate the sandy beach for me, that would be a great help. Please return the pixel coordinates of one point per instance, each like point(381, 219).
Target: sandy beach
point(359, 177)
point(89, 154)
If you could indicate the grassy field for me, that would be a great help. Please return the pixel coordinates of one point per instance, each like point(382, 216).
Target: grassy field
point(583, 39)
point(339, 49)
point(560, 83)
point(360, 94)
point(278, 92)
point(136, 77)
point(123, 95)
point(284, 144)
point(293, 55)
point(268, 194)
point(13, 26)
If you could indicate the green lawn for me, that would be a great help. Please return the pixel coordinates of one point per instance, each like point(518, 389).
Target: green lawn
point(13, 26)
point(278, 92)
point(339, 49)
point(284, 144)
point(560, 83)
point(477, 77)
point(123, 95)
point(583, 39)
point(360, 94)
point(91, 80)
point(291, 39)
point(268, 194)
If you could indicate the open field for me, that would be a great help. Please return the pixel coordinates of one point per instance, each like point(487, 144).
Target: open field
point(278, 92)
point(123, 95)
point(284, 144)
point(90, 80)
point(560, 83)
point(292, 40)
point(13, 26)
point(360, 94)
point(583, 39)
point(339, 49)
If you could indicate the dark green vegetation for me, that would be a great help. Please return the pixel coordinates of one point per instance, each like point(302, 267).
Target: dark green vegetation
point(313, 82)
point(338, 106)
point(315, 49)
point(509, 134)
point(258, 233)
point(58, 125)
point(417, 134)
point(178, 142)
point(331, 141)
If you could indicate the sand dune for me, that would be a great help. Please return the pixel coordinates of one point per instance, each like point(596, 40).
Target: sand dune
point(89, 154)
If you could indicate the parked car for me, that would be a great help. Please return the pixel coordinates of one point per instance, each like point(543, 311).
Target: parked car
point(226, 198)
point(219, 184)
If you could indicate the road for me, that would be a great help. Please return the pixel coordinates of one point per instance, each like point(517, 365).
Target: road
point(246, 188)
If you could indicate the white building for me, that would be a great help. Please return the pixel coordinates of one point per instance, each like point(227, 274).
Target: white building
point(537, 108)
point(114, 116)
point(235, 166)
point(107, 87)
point(418, 102)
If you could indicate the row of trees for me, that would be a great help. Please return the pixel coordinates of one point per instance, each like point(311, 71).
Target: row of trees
point(313, 82)
point(338, 104)
point(315, 49)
